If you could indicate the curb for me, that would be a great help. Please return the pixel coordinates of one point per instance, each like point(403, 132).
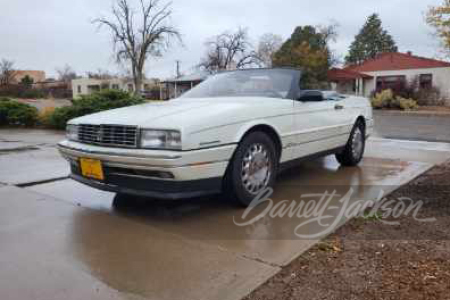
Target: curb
point(419, 113)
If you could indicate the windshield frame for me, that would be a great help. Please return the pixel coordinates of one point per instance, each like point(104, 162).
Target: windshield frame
point(291, 95)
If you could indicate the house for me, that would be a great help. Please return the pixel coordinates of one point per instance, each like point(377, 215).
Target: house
point(389, 71)
point(86, 86)
point(347, 81)
point(54, 89)
point(179, 85)
point(37, 76)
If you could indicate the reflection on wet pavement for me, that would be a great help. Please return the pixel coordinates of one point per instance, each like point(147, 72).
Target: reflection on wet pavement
point(273, 240)
point(134, 258)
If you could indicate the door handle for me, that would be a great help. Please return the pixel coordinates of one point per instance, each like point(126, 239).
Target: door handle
point(338, 107)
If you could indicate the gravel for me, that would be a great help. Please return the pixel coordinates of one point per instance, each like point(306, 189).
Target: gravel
point(369, 259)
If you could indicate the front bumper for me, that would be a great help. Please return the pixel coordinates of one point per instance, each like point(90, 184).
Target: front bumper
point(136, 171)
point(155, 188)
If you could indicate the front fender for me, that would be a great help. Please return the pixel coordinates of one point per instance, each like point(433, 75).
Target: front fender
point(244, 129)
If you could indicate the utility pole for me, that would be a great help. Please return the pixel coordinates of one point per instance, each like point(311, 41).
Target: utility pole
point(178, 68)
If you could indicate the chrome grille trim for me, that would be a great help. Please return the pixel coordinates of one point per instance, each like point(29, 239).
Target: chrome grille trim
point(109, 135)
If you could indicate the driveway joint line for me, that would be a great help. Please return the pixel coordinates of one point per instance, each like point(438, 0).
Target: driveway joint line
point(259, 260)
point(34, 183)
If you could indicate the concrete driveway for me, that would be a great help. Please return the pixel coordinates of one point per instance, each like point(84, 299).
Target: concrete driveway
point(60, 239)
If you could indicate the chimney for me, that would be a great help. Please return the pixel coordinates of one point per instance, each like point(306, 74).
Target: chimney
point(409, 53)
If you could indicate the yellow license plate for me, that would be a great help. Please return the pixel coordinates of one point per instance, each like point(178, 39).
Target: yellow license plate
point(92, 168)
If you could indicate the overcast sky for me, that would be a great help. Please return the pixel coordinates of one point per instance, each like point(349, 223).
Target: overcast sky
point(44, 35)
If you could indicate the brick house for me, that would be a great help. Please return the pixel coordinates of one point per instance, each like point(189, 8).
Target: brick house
point(37, 76)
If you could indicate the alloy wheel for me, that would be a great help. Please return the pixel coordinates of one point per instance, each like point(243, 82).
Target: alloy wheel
point(256, 169)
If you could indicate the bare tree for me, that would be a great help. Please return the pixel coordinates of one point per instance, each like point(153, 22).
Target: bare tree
point(136, 40)
point(7, 72)
point(269, 44)
point(330, 33)
point(66, 74)
point(230, 50)
point(100, 74)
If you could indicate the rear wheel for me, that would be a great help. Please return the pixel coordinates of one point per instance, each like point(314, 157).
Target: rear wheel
point(354, 150)
point(253, 168)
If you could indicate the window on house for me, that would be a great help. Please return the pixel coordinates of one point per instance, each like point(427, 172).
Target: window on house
point(93, 88)
point(79, 89)
point(390, 82)
point(426, 81)
point(115, 86)
point(130, 87)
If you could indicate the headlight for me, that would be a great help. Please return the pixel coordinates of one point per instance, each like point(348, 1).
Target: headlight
point(161, 139)
point(72, 132)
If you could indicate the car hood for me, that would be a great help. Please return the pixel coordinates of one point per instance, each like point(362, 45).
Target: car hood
point(178, 113)
point(138, 114)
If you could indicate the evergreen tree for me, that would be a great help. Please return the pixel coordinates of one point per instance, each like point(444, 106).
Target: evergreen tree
point(370, 41)
point(307, 49)
point(27, 81)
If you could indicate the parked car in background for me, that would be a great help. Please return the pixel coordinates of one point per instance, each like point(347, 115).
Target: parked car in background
point(232, 133)
point(150, 95)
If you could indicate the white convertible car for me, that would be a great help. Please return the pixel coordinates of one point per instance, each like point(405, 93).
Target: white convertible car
point(232, 133)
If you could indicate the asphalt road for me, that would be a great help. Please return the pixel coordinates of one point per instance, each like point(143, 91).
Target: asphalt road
point(413, 127)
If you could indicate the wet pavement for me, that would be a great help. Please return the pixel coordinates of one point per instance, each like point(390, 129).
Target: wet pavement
point(60, 239)
point(32, 165)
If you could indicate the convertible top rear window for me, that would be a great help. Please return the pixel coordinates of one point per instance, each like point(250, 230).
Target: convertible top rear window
point(271, 83)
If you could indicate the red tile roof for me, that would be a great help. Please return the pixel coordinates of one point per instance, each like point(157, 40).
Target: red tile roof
point(397, 61)
point(336, 74)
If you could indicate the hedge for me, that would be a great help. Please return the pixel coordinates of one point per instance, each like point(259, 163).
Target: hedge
point(17, 114)
point(89, 104)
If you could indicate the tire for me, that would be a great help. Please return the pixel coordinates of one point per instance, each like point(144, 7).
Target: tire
point(123, 201)
point(253, 168)
point(354, 149)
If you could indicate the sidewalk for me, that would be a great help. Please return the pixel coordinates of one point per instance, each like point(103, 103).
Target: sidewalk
point(424, 111)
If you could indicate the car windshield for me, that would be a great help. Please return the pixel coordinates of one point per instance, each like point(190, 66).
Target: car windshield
point(271, 83)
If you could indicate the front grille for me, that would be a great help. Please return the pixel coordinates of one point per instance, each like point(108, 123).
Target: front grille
point(109, 135)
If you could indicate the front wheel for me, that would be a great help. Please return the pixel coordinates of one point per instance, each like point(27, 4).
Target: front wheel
point(122, 201)
point(253, 168)
point(355, 147)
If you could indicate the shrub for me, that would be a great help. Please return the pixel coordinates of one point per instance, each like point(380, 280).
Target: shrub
point(383, 99)
point(60, 116)
point(387, 100)
point(431, 96)
point(424, 96)
point(15, 113)
point(3, 113)
point(89, 104)
point(45, 115)
point(407, 104)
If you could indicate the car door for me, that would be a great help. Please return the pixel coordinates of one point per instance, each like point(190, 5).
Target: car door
point(320, 124)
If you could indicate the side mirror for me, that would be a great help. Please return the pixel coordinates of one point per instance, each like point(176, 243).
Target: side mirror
point(310, 96)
